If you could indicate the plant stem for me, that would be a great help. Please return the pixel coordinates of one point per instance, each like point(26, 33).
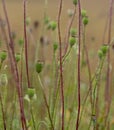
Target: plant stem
point(3, 113)
point(97, 76)
point(79, 49)
point(89, 73)
point(108, 76)
point(32, 116)
point(61, 67)
point(2, 106)
point(46, 103)
point(10, 48)
point(68, 31)
point(26, 44)
point(13, 111)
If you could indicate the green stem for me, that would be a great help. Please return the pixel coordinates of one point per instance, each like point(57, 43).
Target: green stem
point(3, 113)
point(83, 47)
point(33, 120)
point(57, 91)
point(46, 103)
point(97, 80)
point(67, 54)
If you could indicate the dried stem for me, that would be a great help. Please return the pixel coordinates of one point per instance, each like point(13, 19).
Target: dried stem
point(26, 44)
point(68, 31)
point(61, 67)
point(10, 48)
point(79, 49)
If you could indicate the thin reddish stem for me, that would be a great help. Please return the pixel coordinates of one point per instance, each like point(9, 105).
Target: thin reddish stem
point(79, 49)
point(26, 44)
point(68, 31)
point(61, 67)
point(10, 48)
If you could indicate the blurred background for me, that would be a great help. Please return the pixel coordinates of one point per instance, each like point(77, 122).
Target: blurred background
point(97, 12)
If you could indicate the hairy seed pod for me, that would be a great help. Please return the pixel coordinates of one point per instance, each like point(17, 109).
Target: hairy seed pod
point(55, 46)
point(17, 57)
point(30, 92)
point(72, 41)
point(39, 66)
point(100, 54)
point(75, 2)
point(104, 49)
point(83, 13)
point(85, 20)
point(53, 25)
point(73, 32)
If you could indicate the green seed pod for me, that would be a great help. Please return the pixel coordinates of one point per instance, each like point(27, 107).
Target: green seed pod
point(39, 66)
point(84, 63)
point(83, 13)
point(46, 20)
point(72, 41)
point(30, 92)
point(17, 57)
point(85, 20)
point(100, 54)
point(3, 80)
point(75, 2)
point(28, 21)
point(3, 55)
point(53, 25)
point(73, 32)
point(21, 42)
point(104, 49)
point(55, 46)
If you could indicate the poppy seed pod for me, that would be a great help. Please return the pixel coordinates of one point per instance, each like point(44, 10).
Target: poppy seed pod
point(100, 54)
point(75, 2)
point(72, 41)
point(30, 92)
point(83, 13)
point(55, 46)
point(39, 66)
point(53, 25)
point(17, 57)
point(104, 49)
point(46, 20)
point(73, 32)
point(85, 20)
